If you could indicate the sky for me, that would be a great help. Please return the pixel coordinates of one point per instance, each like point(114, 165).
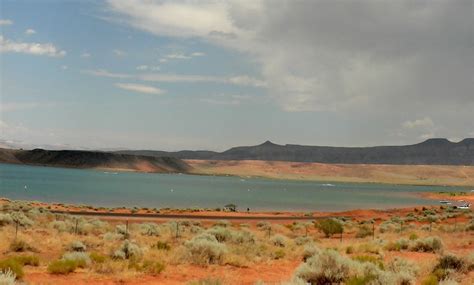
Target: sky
point(173, 75)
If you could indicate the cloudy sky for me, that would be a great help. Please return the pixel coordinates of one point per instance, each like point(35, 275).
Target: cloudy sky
point(213, 74)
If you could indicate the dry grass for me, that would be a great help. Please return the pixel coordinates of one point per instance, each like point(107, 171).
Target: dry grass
point(392, 174)
point(251, 253)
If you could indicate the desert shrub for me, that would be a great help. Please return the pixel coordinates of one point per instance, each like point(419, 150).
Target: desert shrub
point(386, 227)
point(62, 266)
point(128, 250)
point(278, 254)
point(112, 236)
point(303, 240)
point(207, 281)
point(429, 244)
point(21, 219)
point(160, 245)
point(430, 280)
point(77, 246)
point(13, 266)
point(350, 249)
point(62, 226)
point(205, 249)
point(196, 229)
point(401, 244)
point(31, 260)
point(152, 267)
point(369, 258)
point(326, 267)
point(405, 271)
point(243, 237)
point(5, 219)
point(363, 232)
point(81, 259)
point(221, 234)
point(309, 251)
point(330, 227)
point(7, 277)
point(149, 229)
point(20, 246)
point(279, 240)
point(264, 225)
point(97, 257)
point(413, 236)
point(123, 231)
point(448, 282)
point(222, 223)
point(450, 261)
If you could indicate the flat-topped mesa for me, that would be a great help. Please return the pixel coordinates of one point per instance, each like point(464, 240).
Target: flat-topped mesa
point(436, 142)
point(467, 142)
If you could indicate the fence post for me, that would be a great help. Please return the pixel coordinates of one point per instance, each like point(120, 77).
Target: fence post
point(16, 230)
point(75, 229)
point(373, 230)
point(126, 228)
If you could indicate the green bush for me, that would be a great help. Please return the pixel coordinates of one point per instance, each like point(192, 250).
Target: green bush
point(20, 246)
point(278, 254)
point(429, 244)
point(279, 240)
point(97, 257)
point(128, 250)
point(10, 264)
point(330, 227)
point(62, 266)
point(326, 267)
point(77, 246)
point(369, 258)
point(149, 229)
point(220, 233)
point(81, 259)
point(152, 267)
point(205, 249)
point(160, 245)
point(30, 260)
point(363, 232)
point(430, 280)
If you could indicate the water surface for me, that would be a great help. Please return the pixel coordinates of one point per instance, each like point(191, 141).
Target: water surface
point(129, 189)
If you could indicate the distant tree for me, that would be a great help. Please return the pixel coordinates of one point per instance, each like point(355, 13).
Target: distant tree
point(330, 227)
point(230, 207)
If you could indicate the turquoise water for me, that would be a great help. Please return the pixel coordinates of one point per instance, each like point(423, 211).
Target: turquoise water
point(174, 190)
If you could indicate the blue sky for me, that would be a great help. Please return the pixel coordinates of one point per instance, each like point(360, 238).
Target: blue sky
point(211, 75)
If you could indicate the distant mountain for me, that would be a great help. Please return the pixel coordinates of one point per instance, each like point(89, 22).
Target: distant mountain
point(436, 151)
point(93, 159)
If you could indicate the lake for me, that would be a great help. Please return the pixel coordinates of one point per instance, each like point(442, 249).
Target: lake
point(115, 189)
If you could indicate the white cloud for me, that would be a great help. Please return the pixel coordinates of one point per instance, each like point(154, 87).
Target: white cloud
point(180, 55)
point(220, 102)
point(425, 122)
point(22, 106)
point(85, 55)
point(242, 80)
point(140, 88)
point(177, 56)
point(5, 22)
point(198, 54)
point(119, 52)
point(423, 128)
point(46, 49)
point(105, 73)
point(30, 32)
point(332, 55)
point(147, 67)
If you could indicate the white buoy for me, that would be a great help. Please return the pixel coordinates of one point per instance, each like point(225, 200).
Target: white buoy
point(26, 187)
